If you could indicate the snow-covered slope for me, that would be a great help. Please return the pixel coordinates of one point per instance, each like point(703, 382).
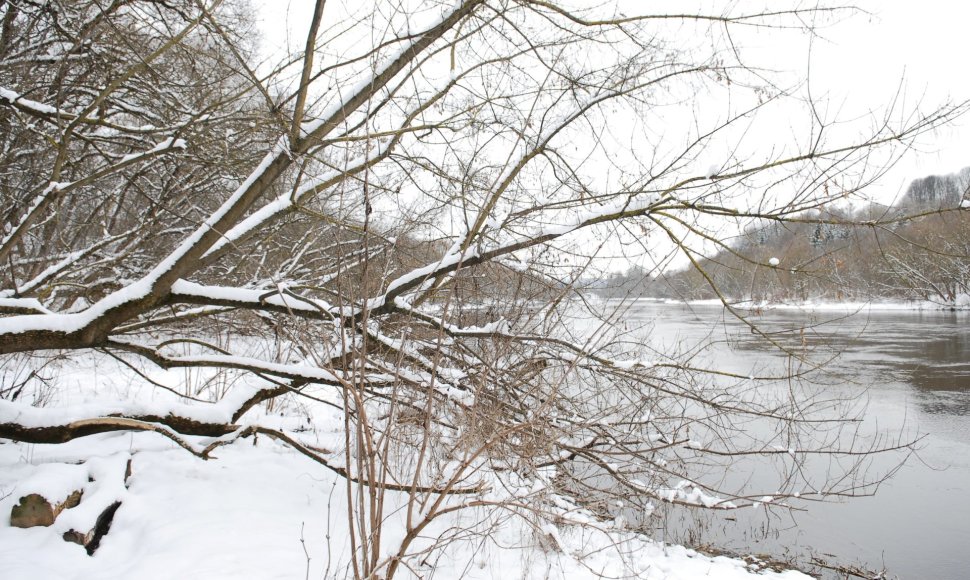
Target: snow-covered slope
point(263, 511)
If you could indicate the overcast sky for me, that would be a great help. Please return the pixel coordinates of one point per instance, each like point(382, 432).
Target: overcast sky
point(858, 65)
point(924, 45)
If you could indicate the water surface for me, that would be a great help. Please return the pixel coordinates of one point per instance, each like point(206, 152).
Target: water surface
point(913, 369)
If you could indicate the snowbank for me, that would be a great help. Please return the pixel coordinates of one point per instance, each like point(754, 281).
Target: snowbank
point(261, 510)
point(253, 511)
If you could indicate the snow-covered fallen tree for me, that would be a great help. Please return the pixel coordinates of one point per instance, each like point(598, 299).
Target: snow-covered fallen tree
point(372, 252)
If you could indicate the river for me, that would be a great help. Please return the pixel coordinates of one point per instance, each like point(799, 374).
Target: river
point(913, 369)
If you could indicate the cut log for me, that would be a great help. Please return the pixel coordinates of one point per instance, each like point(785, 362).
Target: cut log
point(36, 510)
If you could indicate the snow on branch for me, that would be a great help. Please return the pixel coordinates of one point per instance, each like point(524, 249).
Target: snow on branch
point(279, 299)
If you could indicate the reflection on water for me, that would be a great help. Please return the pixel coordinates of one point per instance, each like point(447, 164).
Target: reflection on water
point(914, 368)
point(945, 404)
point(929, 351)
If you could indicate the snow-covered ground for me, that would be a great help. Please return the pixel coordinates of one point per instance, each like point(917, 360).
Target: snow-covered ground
point(252, 512)
point(260, 510)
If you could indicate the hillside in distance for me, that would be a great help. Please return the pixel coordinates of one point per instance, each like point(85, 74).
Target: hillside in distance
point(918, 250)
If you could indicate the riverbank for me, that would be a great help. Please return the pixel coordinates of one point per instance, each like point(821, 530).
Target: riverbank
point(258, 509)
point(262, 511)
point(821, 306)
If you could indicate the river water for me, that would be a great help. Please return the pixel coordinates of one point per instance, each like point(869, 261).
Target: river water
point(913, 369)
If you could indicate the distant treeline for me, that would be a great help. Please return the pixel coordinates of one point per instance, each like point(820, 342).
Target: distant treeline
point(838, 255)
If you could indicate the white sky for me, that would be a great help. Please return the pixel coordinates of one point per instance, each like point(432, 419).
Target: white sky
point(859, 66)
point(921, 44)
